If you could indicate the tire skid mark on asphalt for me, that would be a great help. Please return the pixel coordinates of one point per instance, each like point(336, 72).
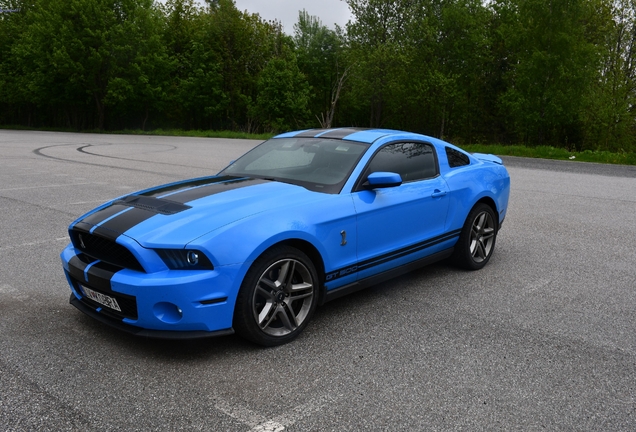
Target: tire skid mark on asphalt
point(82, 150)
point(259, 423)
point(39, 152)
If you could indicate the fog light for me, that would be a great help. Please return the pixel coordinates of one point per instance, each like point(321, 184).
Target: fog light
point(167, 312)
point(193, 258)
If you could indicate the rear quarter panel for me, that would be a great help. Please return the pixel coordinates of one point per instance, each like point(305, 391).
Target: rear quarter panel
point(469, 184)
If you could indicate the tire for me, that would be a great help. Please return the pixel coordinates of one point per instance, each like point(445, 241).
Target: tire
point(477, 239)
point(277, 297)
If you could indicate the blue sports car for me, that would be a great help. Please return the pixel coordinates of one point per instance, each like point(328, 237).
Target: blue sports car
point(301, 219)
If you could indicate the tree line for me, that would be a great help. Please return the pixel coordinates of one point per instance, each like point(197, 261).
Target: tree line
point(537, 72)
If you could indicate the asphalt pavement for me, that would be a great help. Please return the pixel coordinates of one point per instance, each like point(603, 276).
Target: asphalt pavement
point(543, 338)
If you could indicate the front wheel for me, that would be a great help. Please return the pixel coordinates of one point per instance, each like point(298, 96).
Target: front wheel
point(476, 242)
point(277, 298)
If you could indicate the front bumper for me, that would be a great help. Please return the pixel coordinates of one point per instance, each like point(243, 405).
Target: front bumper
point(167, 304)
point(138, 331)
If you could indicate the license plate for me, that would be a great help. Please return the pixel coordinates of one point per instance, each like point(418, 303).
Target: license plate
point(102, 299)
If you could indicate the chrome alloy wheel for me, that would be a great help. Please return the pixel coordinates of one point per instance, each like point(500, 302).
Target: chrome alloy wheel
point(482, 236)
point(283, 297)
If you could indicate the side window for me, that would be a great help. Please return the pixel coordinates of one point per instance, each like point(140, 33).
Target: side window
point(456, 158)
point(413, 161)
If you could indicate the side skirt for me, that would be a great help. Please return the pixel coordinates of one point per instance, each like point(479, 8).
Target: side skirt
point(384, 276)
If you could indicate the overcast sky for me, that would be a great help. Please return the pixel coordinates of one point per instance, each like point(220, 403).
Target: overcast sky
point(330, 12)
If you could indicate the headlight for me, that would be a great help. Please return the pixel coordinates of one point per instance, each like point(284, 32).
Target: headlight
point(185, 259)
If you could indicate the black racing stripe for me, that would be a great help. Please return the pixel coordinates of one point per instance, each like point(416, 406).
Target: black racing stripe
point(341, 133)
point(404, 252)
point(310, 133)
point(399, 253)
point(155, 205)
point(417, 246)
point(122, 223)
point(82, 226)
point(182, 193)
point(99, 274)
point(103, 214)
point(99, 277)
point(205, 191)
point(118, 206)
point(77, 265)
point(172, 188)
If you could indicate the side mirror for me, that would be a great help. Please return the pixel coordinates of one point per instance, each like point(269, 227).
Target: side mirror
point(378, 180)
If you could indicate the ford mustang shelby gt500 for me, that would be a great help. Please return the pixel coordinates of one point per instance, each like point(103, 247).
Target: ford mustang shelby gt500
point(303, 218)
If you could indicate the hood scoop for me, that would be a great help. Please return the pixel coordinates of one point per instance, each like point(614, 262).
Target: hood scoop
point(155, 205)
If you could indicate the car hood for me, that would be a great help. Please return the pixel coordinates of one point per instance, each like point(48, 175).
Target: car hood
point(174, 215)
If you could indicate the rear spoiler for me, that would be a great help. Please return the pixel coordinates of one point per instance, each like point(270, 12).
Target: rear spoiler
point(488, 158)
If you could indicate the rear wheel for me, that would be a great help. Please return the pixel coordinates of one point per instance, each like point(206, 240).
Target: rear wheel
point(476, 242)
point(277, 298)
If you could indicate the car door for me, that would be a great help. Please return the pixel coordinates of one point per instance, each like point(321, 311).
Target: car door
point(400, 224)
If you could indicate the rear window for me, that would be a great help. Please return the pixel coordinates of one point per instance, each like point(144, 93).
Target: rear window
point(456, 158)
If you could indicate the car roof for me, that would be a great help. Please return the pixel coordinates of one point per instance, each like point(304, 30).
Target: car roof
point(350, 134)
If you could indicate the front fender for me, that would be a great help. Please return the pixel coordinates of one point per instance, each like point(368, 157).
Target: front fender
point(245, 240)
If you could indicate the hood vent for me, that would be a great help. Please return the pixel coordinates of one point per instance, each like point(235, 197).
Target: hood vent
point(155, 205)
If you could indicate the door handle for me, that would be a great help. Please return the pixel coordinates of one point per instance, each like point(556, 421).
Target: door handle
point(438, 193)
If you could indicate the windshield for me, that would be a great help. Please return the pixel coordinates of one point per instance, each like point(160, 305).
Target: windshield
point(321, 165)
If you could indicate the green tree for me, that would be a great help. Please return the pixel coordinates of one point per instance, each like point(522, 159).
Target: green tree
point(378, 54)
point(78, 53)
point(283, 94)
point(319, 51)
point(609, 113)
point(231, 49)
point(447, 77)
point(13, 100)
point(554, 63)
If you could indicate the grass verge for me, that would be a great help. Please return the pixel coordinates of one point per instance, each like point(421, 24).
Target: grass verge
point(546, 152)
point(542, 152)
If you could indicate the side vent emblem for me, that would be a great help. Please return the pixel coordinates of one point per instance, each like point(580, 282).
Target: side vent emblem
point(343, 241)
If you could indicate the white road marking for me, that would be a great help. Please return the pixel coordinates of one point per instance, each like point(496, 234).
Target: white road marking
point(268, 426)
point(301, 411)
point(35, 243)
point(242, 414)
point(259, 423)
point(52, 186)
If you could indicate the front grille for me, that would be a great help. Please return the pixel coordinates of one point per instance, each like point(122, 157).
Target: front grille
point(104, 249)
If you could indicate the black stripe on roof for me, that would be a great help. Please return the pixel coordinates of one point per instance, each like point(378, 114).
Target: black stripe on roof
point(329, 133)
point(311, 133)
point(341, 133)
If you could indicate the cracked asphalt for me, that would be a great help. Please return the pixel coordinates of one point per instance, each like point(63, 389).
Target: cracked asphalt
point(543, 338)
